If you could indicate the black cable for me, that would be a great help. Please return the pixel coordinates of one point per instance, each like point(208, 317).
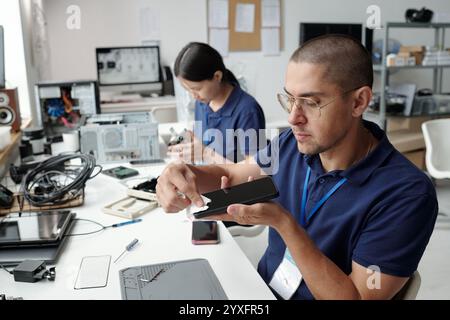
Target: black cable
point(102, 227)
point(40, 186)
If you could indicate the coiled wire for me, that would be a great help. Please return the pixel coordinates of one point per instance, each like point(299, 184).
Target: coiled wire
point(55, 181)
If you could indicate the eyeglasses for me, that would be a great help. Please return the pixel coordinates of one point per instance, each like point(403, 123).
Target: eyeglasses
point(309, 107)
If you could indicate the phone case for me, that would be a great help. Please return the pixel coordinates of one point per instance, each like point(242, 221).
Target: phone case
point(252, 192)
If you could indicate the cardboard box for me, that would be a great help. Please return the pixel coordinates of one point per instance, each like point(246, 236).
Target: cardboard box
point(417, 52)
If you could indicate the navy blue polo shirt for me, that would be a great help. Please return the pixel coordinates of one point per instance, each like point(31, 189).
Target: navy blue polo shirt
point(240, 111)
point(383, 215)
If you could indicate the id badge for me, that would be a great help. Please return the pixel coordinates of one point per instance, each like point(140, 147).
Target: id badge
point(287, 277)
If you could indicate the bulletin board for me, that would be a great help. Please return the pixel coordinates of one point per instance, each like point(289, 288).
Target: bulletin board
point(265, 34)
point(245, 41)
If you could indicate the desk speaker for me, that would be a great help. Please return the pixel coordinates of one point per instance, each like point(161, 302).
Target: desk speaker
point(9, 109)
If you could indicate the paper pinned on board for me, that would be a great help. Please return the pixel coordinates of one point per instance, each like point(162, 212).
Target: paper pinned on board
point(149, 24)
point(270, 38)
point(219, 40)
point(270, 13)
point(218, 13)
point(245, 17)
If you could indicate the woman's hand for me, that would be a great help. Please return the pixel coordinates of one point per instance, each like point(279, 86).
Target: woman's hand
point(189, 151)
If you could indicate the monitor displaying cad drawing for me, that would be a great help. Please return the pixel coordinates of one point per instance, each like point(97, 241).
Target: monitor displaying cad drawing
point(129, 69)
point(2, 59)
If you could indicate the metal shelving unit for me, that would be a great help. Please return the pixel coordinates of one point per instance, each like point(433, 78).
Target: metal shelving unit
point(439, 40)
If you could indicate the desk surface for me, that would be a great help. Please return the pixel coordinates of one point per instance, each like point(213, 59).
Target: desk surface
point(162, 238)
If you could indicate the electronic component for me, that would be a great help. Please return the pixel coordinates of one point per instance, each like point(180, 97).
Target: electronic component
point(121, 172)
point(6, 197)
point(129, 70)
point(130, 207)
point(144, 190)
point(64, 106)
point(205, 232)
point(32, 271)
point(121, 137)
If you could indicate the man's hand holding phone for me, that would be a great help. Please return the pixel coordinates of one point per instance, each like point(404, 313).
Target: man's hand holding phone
point(264, 213)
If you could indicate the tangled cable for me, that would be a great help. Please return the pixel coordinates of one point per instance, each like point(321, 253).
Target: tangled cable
point(54, 181)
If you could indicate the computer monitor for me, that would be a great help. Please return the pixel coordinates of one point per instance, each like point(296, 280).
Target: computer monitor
point(129, 70)
point(312, 30)
point(2, 59)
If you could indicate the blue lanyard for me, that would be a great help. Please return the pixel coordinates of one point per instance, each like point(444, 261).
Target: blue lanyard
point(303, 219)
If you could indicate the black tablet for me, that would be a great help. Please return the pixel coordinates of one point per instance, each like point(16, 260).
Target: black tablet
point(33, 228)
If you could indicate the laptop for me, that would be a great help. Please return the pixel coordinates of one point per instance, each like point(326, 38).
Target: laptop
point(10, 256)
point(33, 228)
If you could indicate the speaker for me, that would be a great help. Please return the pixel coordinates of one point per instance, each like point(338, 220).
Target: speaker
point(9, 109)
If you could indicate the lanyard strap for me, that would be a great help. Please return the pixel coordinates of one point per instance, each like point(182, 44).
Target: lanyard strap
point(303, 219)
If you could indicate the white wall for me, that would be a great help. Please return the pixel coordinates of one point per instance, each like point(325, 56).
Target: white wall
point(116, 22)
point(15, 62)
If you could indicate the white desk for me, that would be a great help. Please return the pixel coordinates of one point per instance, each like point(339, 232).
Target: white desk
point(162, 238)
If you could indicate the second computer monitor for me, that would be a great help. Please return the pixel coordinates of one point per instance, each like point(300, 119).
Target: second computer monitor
point(129, 69)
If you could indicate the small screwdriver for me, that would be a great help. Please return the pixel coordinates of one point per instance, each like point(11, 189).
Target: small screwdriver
point(128, 248)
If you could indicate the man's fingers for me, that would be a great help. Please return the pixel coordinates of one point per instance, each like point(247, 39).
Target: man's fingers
point(224, 182)
point(219, 217)
point(244, 214)
point(170, 199)
point(250, 178)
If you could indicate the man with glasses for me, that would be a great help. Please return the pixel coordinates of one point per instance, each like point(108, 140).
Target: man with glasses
point(354, 216)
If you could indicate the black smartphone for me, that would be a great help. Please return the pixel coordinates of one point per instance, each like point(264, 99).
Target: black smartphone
point(121, 172)
point(260, 190)
point(205, 232)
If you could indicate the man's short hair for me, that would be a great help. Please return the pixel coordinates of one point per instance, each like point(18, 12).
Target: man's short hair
point(347, 63)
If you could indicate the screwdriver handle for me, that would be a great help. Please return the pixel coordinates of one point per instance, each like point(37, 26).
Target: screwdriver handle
point(132, 244)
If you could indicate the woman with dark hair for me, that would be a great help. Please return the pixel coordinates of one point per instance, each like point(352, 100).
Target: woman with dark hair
point(221, 108)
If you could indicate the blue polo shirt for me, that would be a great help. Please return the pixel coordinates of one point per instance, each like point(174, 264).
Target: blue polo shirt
point(383, 215)
point(240, 111)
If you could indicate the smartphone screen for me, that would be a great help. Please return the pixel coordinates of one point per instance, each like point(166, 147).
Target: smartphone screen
point(205, 232)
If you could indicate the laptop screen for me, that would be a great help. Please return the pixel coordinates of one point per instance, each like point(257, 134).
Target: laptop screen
point(33, 228)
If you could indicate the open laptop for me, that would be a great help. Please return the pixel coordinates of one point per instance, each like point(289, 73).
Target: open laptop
point(33, 228)
point(10, 255)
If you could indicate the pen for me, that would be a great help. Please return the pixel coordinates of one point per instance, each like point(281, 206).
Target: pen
point(115, 225)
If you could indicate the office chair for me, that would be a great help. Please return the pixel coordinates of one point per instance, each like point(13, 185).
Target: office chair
point(410, 289)
point(436, 133)
point(437, 157)
point(252, 241)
